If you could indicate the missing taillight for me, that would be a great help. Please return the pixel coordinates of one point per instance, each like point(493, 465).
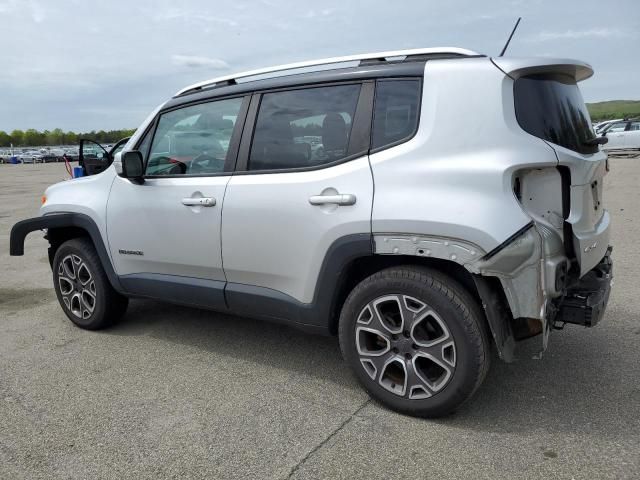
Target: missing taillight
point(517, 189)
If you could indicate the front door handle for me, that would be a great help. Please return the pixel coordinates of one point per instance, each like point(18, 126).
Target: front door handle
point(199, 201)
point(339, 199)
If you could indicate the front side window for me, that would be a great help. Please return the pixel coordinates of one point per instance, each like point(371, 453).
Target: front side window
point(551, 107)
point(396, 112)
point(303, 128)
point(193, 140)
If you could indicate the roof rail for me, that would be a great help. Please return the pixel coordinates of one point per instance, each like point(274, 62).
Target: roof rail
point(231, 79)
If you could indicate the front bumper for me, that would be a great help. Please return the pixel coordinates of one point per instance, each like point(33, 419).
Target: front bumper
point(585, 303)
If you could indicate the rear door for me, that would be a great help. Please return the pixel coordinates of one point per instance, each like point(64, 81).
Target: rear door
point(303, 182)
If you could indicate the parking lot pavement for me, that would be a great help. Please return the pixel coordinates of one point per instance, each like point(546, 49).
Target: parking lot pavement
point(177, 392)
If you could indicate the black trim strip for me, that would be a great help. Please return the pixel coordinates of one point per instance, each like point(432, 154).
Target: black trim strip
point(320, 77)
point(247, 134)
point(253, 301)
point(195, 292)
point(262, 302)
point(360, 136)
point(508, 241)
point(61, 220)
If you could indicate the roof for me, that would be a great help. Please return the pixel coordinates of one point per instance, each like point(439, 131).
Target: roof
point(355, 74)
point(392, 55)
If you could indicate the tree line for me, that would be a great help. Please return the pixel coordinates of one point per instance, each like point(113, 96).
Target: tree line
point(36, 138)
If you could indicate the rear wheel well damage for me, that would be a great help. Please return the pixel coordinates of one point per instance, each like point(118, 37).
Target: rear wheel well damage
point(362, 267)
point(488, 291)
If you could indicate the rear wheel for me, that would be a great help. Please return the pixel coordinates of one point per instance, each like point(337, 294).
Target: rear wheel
point(82, 286)
point(416, 340)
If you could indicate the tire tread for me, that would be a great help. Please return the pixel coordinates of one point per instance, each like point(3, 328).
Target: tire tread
point(470, 313)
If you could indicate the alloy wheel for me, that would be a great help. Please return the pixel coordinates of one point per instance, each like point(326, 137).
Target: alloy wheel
point(405, 346)
point(77, 286)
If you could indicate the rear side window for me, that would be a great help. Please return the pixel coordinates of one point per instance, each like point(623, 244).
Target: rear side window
point(303, 128)
point(396, 112)
point(551, 107)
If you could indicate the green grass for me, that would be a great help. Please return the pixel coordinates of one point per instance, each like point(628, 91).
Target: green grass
point(614, 109)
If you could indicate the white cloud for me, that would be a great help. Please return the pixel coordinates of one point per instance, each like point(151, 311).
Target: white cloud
point(37, 12)
point(195, 61)
point(325, 12)
point(171, 14)
point(578, 34)
point(32, 8)
point(53, 75)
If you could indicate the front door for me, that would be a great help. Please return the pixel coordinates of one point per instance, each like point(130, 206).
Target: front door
point(168, 228)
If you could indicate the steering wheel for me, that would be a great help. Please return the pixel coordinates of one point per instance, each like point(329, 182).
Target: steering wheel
point(169, 166)
point(205, 163)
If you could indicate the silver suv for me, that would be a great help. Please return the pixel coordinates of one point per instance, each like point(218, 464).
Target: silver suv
point(427, 206)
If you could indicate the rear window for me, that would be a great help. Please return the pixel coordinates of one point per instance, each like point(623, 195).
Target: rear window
point(396, 112)
point(551, 107)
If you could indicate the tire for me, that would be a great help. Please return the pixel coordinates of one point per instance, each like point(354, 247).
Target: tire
point(416, 340)
point(82, 287)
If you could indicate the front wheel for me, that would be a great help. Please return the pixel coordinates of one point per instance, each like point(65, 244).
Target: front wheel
point(416, 340)
point(82, 286)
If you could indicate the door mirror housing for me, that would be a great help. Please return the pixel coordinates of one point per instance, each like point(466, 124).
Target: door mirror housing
point(133, 166)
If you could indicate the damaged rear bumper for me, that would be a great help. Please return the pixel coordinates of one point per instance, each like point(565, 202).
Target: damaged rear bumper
point(585, 303)
point(526, 291)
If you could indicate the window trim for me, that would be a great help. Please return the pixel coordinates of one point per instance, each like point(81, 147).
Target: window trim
point(418, 114)
point(234, 142)
point(359, 139)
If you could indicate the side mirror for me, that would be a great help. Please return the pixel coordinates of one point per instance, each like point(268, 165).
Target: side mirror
point(133, 166)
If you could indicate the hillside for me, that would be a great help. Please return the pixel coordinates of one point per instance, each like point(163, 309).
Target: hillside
point(614, 109)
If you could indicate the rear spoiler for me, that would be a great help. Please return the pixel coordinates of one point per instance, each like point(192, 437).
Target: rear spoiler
point(516, 67)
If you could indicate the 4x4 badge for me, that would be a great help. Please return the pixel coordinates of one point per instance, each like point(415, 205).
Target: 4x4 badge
point(590, 247)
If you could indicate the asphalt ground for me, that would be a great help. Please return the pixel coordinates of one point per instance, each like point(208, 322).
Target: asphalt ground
point(173, 392)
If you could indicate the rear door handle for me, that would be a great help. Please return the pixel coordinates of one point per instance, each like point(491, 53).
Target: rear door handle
point(199, 201)
point(340, 199)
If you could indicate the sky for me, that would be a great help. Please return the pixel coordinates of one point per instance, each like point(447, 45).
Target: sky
point(85, 64)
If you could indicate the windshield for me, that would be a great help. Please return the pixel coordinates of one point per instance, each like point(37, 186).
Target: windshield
point(551, 107)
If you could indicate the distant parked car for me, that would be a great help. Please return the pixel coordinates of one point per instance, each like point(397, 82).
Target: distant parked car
point(49, 157)
point(599, 128)
point(31, 156)
point(623, 135)
point(53, 155)
point(72, 154)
